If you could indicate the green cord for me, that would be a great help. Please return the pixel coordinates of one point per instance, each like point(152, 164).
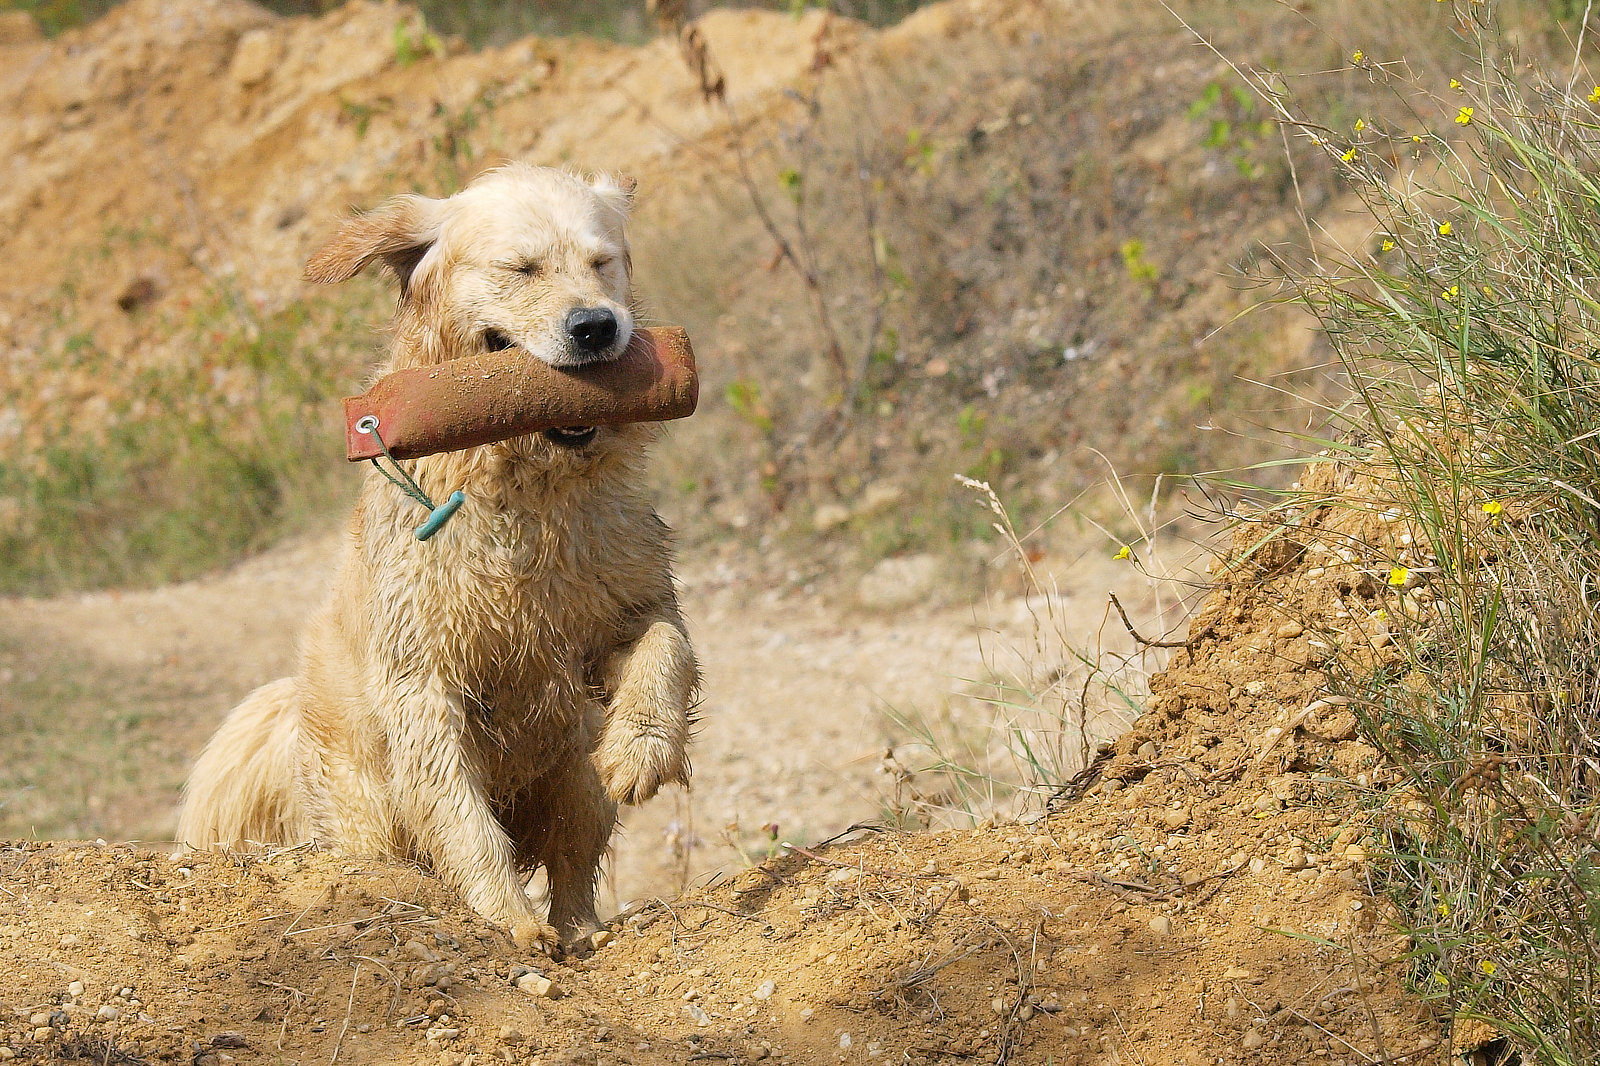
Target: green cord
point(407, 485)
point(437, 516)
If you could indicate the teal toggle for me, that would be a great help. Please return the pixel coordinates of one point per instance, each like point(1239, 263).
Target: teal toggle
point(441, 514)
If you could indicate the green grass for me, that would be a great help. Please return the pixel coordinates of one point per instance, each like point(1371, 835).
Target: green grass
point(1470, 334)
point(87, 750)
point(216, 452)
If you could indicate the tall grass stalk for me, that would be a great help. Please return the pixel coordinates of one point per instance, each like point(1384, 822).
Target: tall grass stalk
point(1053, 687)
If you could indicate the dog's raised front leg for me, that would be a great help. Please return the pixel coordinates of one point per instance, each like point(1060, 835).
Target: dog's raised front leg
point(650, 684)
point(443, 806)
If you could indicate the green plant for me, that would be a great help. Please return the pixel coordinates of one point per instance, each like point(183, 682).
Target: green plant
point(1139, 267)
point(413, 40)
point(1234, 127)
point(1470, 334)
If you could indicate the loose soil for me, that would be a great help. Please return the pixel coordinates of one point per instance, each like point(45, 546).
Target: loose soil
point(1192, 899)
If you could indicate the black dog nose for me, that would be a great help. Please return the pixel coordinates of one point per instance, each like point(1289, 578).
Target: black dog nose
point(592, 329)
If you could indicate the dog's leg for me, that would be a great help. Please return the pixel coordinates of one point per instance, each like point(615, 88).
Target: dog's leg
point(651, 684)
point(442, 804)
point(564, 822)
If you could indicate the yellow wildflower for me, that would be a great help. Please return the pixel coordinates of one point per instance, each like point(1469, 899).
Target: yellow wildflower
point(1439, 978)
point(1360, 125)
point(1594, 95)
point(1452, 292)
point(1464, 116)
point(1388, 245)
point(1415, 139)
point(1357, 56)
point(1348, 156)
point(1398, 576)
point(1125, 553)
point(1444, 229)
point(1443, 909)
point(1487, 967)
point(1454, 84)
point(1493, 508)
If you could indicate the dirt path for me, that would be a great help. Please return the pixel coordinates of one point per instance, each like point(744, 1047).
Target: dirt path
point(114, 692)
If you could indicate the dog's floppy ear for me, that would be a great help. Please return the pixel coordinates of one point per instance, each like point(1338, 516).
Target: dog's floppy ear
point(617, 191)
point(399, 232)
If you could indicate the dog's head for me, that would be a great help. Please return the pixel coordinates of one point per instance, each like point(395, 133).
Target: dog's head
point(526, 257)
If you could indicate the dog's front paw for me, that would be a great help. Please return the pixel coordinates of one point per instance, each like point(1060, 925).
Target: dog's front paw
point(534, 935)
point(634, 765)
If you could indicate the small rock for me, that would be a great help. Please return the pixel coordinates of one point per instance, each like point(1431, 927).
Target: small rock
point(416, 949)
point(998, 1005)
point(68, 941)
point(1268, 804)
point(254, 57)
point(1340, 726)
point(600, 938)
point(695, 1011)
point(879, 496)
point(1295, 858)
point(18, 27)
point(6, 1054)
point(107, 1013)
point(1149, 751)
point(1290, 630)
point(1176, 818)
point(509, 1035)
point(1235, 973)
point(829, 516)
point(990, 873)
point(75, 989)
point(43, 1035)
point(1253, 1040)
point(1355, 854)
point(845, 1041)
point(899, 582)
point(765, 989)
point(39, 1018)
point(440, 1034)
point(1161, 925)
point(537, 985)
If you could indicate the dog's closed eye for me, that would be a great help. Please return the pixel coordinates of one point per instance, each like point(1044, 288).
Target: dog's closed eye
point(495, 341)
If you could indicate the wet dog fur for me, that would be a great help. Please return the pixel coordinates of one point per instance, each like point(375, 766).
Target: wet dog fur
point(481, 702)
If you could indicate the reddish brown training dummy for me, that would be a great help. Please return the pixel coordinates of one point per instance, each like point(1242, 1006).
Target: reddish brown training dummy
point(493, 397)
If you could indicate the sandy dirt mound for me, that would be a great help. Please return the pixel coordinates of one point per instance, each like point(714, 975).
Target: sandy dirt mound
point(1193, 899)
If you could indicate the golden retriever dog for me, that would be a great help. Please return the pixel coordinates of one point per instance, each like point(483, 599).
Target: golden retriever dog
point(481, 701)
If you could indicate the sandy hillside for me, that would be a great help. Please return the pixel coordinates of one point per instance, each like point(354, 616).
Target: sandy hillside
point(1184, 903)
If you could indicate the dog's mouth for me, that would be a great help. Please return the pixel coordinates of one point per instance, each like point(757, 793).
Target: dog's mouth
point(571, 436)
point(496, 341)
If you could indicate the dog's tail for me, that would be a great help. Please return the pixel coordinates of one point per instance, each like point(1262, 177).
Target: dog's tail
point(242, 790)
